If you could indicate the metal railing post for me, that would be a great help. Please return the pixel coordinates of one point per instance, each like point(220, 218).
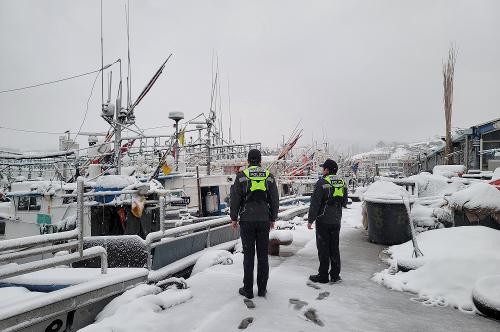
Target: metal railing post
point(208, 237)
point(162, 213)
point(79, 212)
point(104, 263)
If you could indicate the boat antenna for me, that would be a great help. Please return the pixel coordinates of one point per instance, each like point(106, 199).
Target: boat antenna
point(229, 110)
point(102, 65)
point(129, 68)
point(220, 104)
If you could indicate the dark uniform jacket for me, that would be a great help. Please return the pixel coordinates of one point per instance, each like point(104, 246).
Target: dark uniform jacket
point(323, 208)
point(262, 207)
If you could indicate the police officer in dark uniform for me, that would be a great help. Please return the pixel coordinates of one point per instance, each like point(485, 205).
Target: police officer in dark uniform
point(327, 200)
point(255, 200)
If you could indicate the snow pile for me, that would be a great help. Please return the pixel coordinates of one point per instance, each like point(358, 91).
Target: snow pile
point(422, 216)
point(114, 181)
point(127, 297)
point(281, 235)
point(449, 171)
point(385, 192)
point(142, 302)
point(454, 259)
point(426, 218)
point(211, 258)
point(487, 292)
point(430, 214)
point(479, 195)
point(431, 185)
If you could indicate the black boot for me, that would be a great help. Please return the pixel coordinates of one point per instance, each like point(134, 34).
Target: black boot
point(335, 279)
point(245, 293)
point(262, 293)
point(319, 278)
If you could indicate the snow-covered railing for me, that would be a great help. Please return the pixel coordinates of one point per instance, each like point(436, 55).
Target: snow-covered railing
point(50, 243)
point(15, 270)
point(293, 199)
point(37, 240)
point(293, 212)
point(155, 239)
point(118, 192)
point(163, 236)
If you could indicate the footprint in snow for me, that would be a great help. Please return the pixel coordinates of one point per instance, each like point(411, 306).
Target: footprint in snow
point(313, 285)
point(310, 314)
point(297, 304)
point(249, 303)
point(245, 323)
point(323, 295)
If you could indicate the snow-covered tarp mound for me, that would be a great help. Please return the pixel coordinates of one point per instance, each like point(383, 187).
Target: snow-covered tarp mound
point(114, 181)
point(211, 258)
point(449, 171)
point(385, 191)
point(137, 302)
point(479, 195)
point(432, 185)
point(454, 259)
point(478, 201)
point(425, 218)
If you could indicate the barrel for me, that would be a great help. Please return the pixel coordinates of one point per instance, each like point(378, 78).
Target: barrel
point(388, 222)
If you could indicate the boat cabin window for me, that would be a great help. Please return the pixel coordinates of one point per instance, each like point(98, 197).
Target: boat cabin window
point(29, 203)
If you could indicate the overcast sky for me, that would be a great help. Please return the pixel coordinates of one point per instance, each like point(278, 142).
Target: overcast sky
point(354, 71)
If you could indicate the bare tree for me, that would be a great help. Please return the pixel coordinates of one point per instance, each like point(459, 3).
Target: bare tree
point(448, 76)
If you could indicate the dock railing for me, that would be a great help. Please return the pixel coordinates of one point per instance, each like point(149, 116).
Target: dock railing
point(14, 249)
point(163, 236)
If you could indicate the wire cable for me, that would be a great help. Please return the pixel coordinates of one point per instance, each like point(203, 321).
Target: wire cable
point(32, 131)
point(58, 80)
point(87, 107)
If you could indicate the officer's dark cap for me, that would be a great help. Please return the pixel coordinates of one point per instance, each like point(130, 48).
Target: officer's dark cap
point(254, 156)
point(331, 165)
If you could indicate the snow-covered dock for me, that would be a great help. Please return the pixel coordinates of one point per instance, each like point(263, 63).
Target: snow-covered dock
point(211, 302)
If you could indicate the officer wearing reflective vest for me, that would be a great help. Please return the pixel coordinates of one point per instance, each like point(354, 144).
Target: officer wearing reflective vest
point(254, 202)
point(327, 200)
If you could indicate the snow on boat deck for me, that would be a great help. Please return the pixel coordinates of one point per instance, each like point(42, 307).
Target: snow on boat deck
point(356, 304)
point(65, 276)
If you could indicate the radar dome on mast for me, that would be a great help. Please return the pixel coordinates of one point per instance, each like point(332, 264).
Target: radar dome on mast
point(176, 116)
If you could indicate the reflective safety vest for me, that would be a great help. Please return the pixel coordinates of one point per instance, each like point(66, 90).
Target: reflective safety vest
point(257, 177)
point(337, 185)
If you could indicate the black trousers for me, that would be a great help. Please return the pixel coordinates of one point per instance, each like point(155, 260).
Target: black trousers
point(327, 240)
point(255, 235)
